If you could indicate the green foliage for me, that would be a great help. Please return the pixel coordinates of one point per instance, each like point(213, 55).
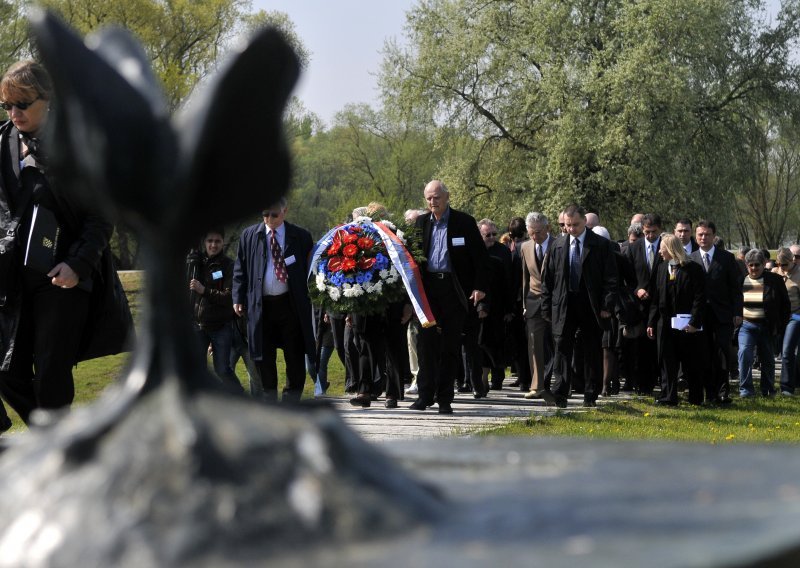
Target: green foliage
point(619, 105)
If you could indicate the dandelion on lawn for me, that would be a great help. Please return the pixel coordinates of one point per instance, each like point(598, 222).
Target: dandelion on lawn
point(730, 436)
point(647, 414)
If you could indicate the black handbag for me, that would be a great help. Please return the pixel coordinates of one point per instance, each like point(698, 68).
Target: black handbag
point(9, 256)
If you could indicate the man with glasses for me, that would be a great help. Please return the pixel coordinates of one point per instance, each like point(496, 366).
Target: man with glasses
point(501, 301)
point(723, 310)
point(269, 285)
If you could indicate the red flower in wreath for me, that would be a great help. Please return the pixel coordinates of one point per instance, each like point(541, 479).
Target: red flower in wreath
point(350, 251)
point(365, 243)
point(350, 238)
point(348, 264)
point(365, 263)
point(335, 263)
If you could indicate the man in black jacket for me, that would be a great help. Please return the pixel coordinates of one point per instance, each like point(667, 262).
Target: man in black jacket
point(454, 277)
point(579, 292)
point(724, 303)
point(210, 280)
point(270, 286)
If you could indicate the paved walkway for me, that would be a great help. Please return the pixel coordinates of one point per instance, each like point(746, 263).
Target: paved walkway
point(377, 423)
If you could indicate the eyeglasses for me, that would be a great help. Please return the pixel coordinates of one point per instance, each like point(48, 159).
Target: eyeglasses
point(490, 235)
point(20, 106)
point(757, 265)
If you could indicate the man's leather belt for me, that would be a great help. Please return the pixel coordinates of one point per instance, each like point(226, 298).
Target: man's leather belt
point(439, 275)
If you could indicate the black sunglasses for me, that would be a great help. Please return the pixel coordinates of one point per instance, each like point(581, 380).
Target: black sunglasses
point(490, 235)
point(21, 106)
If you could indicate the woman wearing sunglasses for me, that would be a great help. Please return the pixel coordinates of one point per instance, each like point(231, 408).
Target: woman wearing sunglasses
point(59, 245)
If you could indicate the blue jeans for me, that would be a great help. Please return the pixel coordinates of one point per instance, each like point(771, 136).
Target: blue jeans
point(322, 373)
point(754, 336)
point(791, 340)
point(221, 340)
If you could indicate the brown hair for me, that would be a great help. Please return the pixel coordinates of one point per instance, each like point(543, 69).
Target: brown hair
point(25, 81)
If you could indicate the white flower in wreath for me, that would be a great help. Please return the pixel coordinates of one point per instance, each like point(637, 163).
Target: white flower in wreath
point(334, 293)
point(391, 225)
point(384, 274)
point(352, 291)
point(375, 288)
point(321, 282)
point(402, 236)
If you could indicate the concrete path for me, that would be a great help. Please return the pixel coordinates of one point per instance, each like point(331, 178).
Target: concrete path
point(377, 423)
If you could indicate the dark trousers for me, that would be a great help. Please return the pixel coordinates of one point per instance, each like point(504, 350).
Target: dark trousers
point(337, 322)
point(716, 357)
point(369, 339)
point(680, 350)
point(440, 345)
point(646, 364)
point(397, 365)
point(282, 329)
point(46, 346)
point(517, 336)
point(579, 316)
point(472, 355)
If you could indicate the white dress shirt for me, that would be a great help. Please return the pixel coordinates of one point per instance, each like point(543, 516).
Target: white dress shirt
point(272, 286)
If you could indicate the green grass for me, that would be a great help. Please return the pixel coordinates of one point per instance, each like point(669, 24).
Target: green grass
point(758, 420)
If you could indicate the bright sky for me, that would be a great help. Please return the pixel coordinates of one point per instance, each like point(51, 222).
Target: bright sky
point(345, 38)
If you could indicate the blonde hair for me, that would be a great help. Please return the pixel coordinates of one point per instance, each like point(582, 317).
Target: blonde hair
point(674, 247)
point(25, 81)
point(377, 211)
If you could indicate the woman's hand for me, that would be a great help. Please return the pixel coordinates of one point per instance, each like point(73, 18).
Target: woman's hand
point(63, 276)
point(651, 333)
point(689, 328)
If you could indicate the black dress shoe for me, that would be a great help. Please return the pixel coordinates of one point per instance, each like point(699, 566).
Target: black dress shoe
point(560, 401)
point(589, 404)
point(661, 402)
point(390, 403)
point(445, 409)
point(496, 387)
point(5, 423)
point(362, 401)
point(464, 388)
point(477, 394)
point(418, 405)
point(515, 384)
point(724, 401)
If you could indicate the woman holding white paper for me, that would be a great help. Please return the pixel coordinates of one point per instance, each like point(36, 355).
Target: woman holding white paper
point(679, 290)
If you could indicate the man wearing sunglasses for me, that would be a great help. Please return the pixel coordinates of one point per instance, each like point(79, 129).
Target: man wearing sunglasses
point(269, 285)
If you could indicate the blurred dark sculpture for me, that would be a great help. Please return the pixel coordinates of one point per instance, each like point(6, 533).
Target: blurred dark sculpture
point(167, 468)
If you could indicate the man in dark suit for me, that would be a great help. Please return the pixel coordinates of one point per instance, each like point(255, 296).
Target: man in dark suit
point(454, 277)
point(643, 255)
point(683, 230)
point(724, 302)
point(501, 299)
point(269, 284)
point(579, 292)
point(540, 338)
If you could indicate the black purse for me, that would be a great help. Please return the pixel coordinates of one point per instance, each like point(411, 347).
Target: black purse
point(9, 256)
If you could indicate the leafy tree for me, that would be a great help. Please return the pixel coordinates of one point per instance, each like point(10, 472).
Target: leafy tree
point(619, 105)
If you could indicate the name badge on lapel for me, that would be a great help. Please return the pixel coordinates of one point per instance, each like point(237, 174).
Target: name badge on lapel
point(216, 275)
point(458, 241)
point(289, 260)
